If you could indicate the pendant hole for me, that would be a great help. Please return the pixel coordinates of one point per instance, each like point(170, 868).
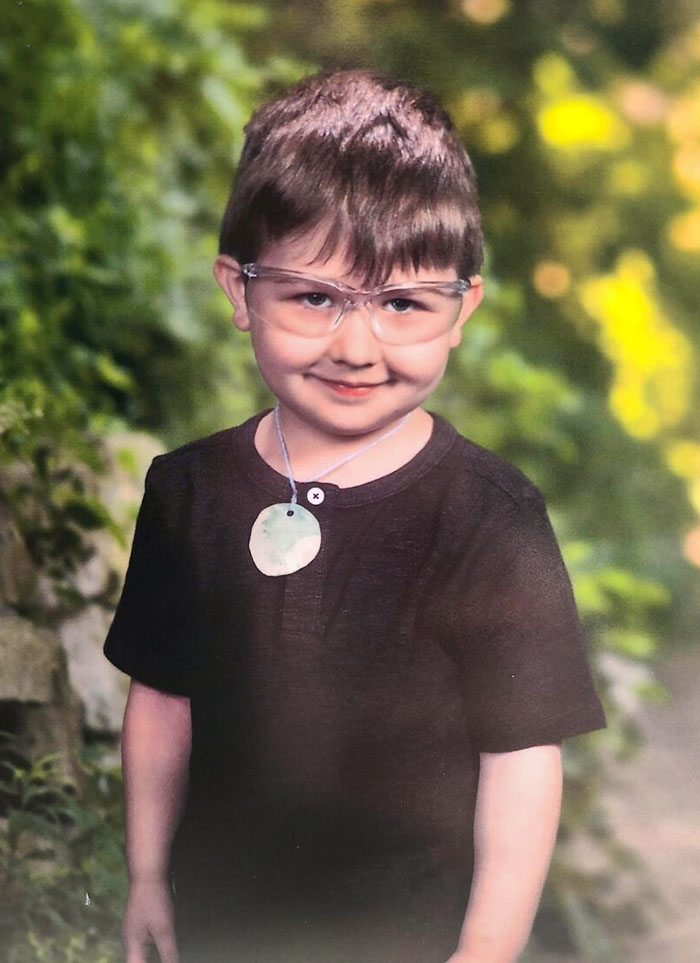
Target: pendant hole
point(290, 512)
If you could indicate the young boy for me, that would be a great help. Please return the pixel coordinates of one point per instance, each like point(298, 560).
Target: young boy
point(353, 644)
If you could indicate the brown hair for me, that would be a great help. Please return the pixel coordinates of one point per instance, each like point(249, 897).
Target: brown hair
point(366, 158)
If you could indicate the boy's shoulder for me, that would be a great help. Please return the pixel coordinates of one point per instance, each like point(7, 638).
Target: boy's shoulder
point(208, 448)
point(472, 463)
point(198, 446)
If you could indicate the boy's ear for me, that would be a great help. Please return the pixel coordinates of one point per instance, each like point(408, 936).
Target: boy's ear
point(471, 301)
point(229, 275)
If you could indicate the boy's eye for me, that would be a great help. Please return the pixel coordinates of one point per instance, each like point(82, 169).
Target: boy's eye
point(315, 299)
point(401, 305)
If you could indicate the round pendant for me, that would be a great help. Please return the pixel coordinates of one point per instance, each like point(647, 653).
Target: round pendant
point(283, 539)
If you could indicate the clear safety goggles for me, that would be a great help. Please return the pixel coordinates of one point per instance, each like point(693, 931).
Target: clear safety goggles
point(315, 307)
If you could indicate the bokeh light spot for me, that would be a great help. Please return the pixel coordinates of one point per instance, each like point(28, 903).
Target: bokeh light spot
point(686, 167)
point(551, 279)
point(683, 458)
point(485, 11)
point(554, 75)
point(652, 360)
point(691, 546)
point(642, 103)
point(499, 134)
point(629, 177)
point(684, 117)
point(581, 122)
point(684, 230)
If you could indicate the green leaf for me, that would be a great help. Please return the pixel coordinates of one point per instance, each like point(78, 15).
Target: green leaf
point(87, 511)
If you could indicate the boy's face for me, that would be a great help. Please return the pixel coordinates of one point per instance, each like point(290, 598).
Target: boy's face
point(346, 383)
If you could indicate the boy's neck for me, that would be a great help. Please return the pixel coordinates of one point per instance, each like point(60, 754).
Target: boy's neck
point(311, 452)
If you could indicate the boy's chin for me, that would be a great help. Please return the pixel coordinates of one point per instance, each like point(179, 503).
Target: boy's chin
point(350, 422)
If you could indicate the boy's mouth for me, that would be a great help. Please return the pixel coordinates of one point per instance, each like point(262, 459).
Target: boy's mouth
point(351, 389)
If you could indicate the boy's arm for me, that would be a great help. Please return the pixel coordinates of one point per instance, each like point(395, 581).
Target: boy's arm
point(517, 814)
point(156, 743)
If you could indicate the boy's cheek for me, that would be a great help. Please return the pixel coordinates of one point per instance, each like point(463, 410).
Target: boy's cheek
point(283, 354)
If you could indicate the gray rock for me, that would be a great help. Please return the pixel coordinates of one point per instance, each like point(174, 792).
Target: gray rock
point(17, 572)
point(29, 658)
point(100, 687)
point(62, 679)
point(47, 715)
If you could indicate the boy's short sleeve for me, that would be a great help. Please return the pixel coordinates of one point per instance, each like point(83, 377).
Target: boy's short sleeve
point(150, 637)
point(524, 667)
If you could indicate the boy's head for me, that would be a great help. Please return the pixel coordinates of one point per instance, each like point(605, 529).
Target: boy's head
point(371, 163)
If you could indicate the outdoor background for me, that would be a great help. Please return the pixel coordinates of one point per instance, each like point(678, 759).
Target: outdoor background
point(120, 126)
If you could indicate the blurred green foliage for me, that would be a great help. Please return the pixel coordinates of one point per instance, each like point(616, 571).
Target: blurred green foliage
point(61, 862)
point(121, 125)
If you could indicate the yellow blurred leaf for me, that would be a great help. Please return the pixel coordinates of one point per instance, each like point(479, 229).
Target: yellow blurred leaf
point(686, 167)
point(684, 118)
point(683, 458)
point(554, 75)
point(629, 177)
point(653, 362)
point(582, 122)
point(498, 134)
point(684, 230)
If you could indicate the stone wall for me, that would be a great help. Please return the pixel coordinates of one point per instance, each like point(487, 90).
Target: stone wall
point(56, 687)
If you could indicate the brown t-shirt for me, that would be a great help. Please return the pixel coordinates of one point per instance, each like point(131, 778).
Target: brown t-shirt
point(338, 712)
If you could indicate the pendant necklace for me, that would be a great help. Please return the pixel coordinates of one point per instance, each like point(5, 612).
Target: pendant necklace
point(286, 537)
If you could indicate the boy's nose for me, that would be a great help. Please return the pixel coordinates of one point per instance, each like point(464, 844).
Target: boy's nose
point(354, 342)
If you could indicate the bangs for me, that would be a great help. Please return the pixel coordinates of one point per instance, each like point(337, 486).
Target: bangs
point(377, 239)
